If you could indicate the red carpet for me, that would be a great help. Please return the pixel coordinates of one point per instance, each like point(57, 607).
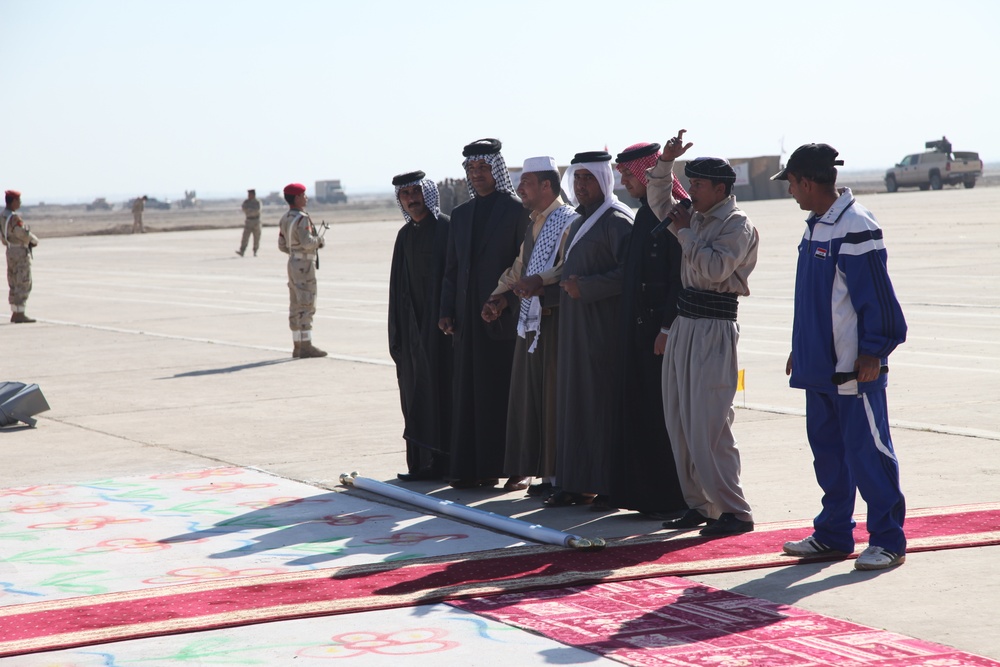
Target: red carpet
point(673, 621)
point(102, 618)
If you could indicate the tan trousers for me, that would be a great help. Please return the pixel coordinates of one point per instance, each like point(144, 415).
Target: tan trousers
point(301, 293)
point(699, 384)
point(250, 227)
point(18, 277)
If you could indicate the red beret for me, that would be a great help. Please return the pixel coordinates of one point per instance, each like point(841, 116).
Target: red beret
point(295, 189)
point(12, 193)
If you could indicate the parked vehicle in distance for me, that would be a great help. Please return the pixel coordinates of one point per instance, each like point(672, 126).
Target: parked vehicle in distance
point(330, 192)
point(275, 198)
point(99, 204)
point(190, 199)
point(935, 168)
point(151, 202)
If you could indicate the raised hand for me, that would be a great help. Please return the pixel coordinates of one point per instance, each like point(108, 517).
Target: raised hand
point(675, 147)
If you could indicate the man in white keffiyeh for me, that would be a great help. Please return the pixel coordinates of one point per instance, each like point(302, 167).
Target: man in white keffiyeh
point(590, 361)
point(534, 278)
point(596, 164)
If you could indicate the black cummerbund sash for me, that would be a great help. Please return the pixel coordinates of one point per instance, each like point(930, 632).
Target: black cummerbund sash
point(697, 304)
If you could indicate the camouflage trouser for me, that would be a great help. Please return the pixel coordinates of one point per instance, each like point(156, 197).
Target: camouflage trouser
point(301, 293)
point(137, 223)
point(251, 226)
point(18, 276)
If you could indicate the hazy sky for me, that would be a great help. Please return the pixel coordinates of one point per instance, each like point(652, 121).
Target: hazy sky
point(117, 98)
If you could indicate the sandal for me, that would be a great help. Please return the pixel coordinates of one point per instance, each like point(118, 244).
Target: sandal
point(567, 498)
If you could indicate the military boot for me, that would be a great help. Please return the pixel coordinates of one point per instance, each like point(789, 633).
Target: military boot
point(308, 350)
point(21, 318)
point(296, 349)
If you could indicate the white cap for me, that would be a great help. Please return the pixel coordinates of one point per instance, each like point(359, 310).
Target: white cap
point(543, 163)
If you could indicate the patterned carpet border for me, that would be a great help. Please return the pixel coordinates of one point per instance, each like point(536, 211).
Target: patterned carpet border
point(134, 614)
point(675, 621)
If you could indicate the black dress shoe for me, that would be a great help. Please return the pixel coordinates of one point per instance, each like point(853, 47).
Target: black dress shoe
point(691, 519)
point(543, 490)
point(567, 498)
point(726, 524)
point(664, 515)
point(601, 503)
point(418, 476)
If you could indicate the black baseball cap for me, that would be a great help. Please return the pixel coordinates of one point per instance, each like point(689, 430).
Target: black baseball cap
point(810, 160)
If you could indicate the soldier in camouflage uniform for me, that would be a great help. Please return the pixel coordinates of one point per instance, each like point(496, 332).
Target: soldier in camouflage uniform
point(19, 241)
point(297, 236)
point(251, 208)
point(138, 206)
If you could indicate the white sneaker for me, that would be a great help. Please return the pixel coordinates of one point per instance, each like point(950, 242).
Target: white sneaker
point(810, 547)
point(877, 558)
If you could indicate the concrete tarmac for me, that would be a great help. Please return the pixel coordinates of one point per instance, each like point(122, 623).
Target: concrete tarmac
point(168, 352)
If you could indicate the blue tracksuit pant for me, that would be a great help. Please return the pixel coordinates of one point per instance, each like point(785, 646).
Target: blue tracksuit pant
point(852, 451)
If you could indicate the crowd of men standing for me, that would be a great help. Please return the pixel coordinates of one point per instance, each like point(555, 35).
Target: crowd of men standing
point(594, 348)
point(529, 335)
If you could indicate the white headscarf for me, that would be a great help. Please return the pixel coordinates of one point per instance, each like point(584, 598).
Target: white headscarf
point(606, 178)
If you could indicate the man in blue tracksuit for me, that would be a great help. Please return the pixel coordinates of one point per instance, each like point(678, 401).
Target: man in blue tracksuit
point(847, 321)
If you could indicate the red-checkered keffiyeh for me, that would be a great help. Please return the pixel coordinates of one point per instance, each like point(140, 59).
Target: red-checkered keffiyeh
point(640, 166)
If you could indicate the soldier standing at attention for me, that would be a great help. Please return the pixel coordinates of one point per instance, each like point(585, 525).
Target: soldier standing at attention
point(297, 236)
point(251, 208)
point(138, 206)
point(19, 241)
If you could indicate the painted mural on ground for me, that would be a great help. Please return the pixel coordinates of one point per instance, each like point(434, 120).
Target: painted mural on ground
point(71, 540)
point(428, 636)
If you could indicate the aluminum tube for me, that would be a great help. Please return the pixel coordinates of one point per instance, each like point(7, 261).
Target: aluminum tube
point(528, 531)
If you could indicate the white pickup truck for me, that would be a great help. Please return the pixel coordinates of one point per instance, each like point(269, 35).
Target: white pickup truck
point(935, 168)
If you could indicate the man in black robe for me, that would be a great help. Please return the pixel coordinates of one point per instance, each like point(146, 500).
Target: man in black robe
point(421, 351)
point(588, 369)
point(644, 477)
point(485, 235)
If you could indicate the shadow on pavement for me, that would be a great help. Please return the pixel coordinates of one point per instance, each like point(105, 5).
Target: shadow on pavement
point(229, 369)
point(781, 584)
point(325, 528)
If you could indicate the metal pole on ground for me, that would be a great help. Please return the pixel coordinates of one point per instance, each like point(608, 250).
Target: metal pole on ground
point(528, 531)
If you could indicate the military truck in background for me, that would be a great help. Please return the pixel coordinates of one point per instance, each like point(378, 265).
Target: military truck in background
point(190, 199)
point(935, 168)
point(275, 198)
point(151, 203)
point(99, 204)
point(330, 192)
